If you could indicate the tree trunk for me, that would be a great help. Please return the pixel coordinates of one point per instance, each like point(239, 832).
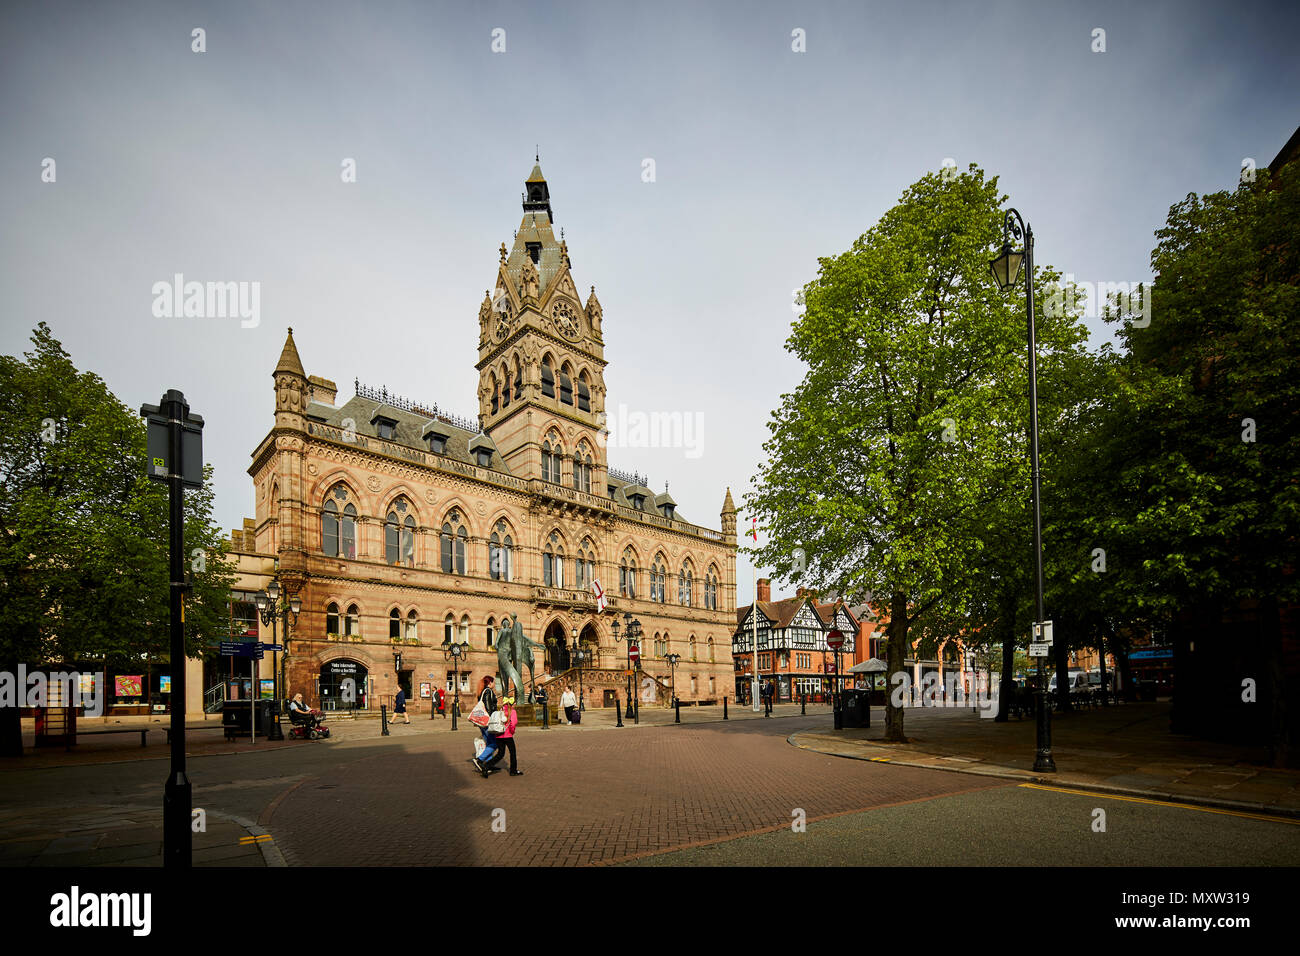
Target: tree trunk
point(11, 726)
point(1062, 654)
point(1270, 632)
point(1101, 656)
point(897, 651)
point(1007, 632)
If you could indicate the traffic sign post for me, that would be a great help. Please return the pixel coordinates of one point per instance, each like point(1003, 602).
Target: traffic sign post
point(175, 456)
point(1038, 650)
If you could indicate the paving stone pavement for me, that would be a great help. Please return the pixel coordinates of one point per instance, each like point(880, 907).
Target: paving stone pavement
point(1122, 750)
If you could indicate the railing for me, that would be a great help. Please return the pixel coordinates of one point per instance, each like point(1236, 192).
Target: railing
point(550, 489)
point(631, 477)
point(214, 698)
point(396, 401)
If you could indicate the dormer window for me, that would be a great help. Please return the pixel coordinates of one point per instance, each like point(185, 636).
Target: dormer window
point(534, 251)
point(484, 457)
point(385, 428)
point(668, 510)
point(436, 435)
point(638, 502)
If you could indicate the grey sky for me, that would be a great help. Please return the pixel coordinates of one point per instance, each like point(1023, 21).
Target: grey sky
point(225, 166)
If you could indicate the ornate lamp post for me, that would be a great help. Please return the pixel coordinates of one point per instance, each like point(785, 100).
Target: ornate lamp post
point(270, 608)
point(1006, 271)
point(672, 660)
point(580, 655)
point(454, 652)
point(631, 635)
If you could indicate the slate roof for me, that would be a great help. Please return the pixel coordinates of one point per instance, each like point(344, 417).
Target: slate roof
point(409, 430)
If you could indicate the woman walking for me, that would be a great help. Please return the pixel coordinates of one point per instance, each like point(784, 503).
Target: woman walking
point(479, 716)
point(507, 738)
point(569, 703)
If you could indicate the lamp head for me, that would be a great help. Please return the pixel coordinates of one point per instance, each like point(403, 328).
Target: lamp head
point(273, 590)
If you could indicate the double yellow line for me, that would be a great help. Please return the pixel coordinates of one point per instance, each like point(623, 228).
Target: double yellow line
point(250, 840)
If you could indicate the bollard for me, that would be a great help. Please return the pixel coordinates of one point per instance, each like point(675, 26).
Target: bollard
point(803, 704)
point(546, 717)
point(678, 704)
point(724, 707)
point(618, 711)
point(383, 720)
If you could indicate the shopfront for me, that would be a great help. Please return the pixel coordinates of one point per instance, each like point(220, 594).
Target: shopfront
point(344, 685)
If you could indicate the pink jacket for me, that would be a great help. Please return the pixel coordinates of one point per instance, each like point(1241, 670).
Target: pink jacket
point(511, 723)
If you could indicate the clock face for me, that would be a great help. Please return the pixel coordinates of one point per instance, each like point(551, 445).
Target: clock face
point(505, 312)
point(566, 322)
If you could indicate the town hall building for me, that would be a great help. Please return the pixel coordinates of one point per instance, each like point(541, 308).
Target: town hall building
point(404, 530)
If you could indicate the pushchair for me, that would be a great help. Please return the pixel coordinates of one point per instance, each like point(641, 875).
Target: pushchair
point(308, 726)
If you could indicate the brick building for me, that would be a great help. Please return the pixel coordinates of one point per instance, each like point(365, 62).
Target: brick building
point(405, 529)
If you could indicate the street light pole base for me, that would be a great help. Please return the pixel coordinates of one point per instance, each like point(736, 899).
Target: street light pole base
point(1044, 763)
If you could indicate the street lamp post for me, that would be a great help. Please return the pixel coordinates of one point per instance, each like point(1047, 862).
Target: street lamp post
point(1006, 270)
point(631, 635)
point(580, 655)
point(672, 660)
point(271, 608)
point(454, 652)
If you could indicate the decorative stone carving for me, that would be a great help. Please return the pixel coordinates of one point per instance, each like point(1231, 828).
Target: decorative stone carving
point(528, 276)
point(373, 483)
point(430, 497)
point(311, 468)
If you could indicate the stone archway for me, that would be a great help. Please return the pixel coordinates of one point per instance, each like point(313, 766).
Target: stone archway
point(558, 658)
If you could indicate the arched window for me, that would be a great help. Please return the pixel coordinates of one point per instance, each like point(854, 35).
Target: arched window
point(551, 458)
point(693, 647)
point(449, 629)
point(339, 535)
point(353, 621)
point(711, 589)
point(519, 381)
point(627, 574)
point(553, 562)
point(506, 386)
point(399, 535)
point(464, 629)
point(332, 620)
point(566, 386)
point(582, 468)
point(710, 650)
point(584, 394)
point(495, 387)
point(685, 584)
point(500, 548)
point(491, 631)
point(394, 625)
point(658, 579)
point(453, 539)
point(548, 378)
point(412, 626)
point(584, 565)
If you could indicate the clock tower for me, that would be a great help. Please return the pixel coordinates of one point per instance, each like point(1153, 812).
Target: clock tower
point(542, 357)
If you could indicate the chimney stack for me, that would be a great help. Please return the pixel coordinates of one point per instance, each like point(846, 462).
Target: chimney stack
point(765, 589)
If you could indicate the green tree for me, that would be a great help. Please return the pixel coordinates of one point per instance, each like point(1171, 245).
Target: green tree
point(83, 533)
point(910, 421)
point(1209, 460)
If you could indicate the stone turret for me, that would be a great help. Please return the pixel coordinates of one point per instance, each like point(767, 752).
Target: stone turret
point(729, 518)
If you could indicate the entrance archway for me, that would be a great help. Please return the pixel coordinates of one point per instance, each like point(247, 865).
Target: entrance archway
point(557, 649)
point(343, 685)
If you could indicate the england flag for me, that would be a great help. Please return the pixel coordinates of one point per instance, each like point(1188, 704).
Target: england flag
point(600, 596)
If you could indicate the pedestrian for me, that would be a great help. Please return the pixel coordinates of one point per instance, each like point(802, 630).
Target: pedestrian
point(399, 706)
point(569, 701)
point(480, 717)
point(507, 738)
point(442, 703)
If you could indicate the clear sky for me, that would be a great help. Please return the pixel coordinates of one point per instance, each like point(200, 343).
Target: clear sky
point(225, 166)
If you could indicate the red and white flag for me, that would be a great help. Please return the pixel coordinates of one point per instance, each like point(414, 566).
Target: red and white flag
point(754, 530)
point(600, 595)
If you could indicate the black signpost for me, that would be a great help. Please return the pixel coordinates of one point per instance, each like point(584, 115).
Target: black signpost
point(175, 450)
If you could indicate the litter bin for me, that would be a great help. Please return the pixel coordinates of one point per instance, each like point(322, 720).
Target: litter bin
point(857, 712)
point(235, 717)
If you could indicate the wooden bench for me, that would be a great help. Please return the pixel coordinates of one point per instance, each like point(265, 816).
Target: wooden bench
point(121, 730)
